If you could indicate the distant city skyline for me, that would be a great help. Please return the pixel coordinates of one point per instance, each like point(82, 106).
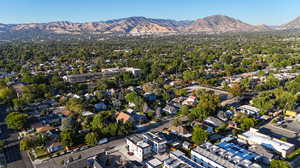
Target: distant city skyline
point(270, 12)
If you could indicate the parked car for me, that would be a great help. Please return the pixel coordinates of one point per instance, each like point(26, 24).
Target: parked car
point(103, 141)
point(84, 147)
point(130, 153)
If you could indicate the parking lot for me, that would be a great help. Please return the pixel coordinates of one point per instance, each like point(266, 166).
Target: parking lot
point(279, 132)
point(291, 125)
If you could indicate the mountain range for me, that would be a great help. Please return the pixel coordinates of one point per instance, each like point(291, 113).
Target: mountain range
point(143, 25)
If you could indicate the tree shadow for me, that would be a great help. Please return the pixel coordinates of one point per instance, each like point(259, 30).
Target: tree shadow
point(13, 153)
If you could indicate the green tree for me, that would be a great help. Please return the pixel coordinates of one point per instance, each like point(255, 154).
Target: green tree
point(208, 105)
point(271, 82)
point(74, 105)
point(237, 89)
point(16, 120)
point(2, 145)
point(181, 92)
point(247, 123)
point(190, 75)
point(25, 144)
point(67, 137)
point(69, 122)
point(264, 101)
point(279, 164)
point(133, 97)
point(184, 110)
point(102, 119)
point(199, 136)
point(18, 103)
point(7, 94)
point(91, 139)
point(199, 113)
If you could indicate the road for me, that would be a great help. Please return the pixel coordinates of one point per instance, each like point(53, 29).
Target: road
point(14, 158)
point(222, 93)
point(85, 154)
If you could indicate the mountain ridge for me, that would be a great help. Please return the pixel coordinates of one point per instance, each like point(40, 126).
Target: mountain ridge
point(143, 25)
point(294, 24)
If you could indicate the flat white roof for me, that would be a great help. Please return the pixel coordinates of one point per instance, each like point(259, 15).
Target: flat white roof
point(248, 107)
point(267, 141)
point(143, 144)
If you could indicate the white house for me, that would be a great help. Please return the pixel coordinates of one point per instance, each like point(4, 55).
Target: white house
point(140, 149)
point(250, 110)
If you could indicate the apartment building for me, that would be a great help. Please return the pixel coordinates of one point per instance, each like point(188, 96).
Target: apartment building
point(158, 144)
point(138, 147)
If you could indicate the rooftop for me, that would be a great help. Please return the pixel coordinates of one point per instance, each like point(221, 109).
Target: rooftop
point(142, 144)
point(251, 108)
point(135, 139)
point(183, 159)
point(267, 141)
point(238, 151)
point(215, 157)
point(154, 162)
point(174, 163)
point(155, 137)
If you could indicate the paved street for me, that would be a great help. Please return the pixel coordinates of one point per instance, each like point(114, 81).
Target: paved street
point(56, 162)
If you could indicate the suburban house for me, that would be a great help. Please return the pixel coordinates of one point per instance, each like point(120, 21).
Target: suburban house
point(170, 109)
point(124, 117)
point(225, 115)
point(186, 145)
point(181, 130)
point(54, 147)
point(250, 110)
point(150, 96)
point(100, 106)
point(190, 101)
point(44, 129)
point(215, 122)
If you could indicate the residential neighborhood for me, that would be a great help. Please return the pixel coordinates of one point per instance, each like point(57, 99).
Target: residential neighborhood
point(191, 100)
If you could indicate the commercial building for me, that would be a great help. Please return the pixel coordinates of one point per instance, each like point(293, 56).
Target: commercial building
point(158, 144)
point(224, 155)
point(138, 147)
point(179, 160)
point(253, 136)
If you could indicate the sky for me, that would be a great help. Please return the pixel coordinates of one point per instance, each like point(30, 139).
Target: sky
point(270, 12)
